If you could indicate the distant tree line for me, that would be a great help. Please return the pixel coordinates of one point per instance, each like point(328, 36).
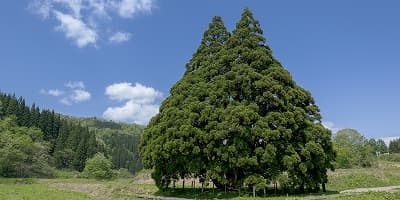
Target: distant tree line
point(354, 150)
point(394, 146)
point(68, 142)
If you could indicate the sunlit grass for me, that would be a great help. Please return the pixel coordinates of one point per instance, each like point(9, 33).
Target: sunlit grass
point(385, 174)
point(38, 191)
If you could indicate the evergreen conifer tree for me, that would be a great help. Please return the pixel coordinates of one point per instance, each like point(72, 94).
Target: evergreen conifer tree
point(237, 114)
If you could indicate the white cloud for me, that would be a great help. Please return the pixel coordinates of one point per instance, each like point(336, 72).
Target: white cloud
point(76, 29)
point(65, 101)
point(75, 93)
point(75, 85)
point(52, 92)
point(331, 126)
point(132, 112)
point(80, 96)
point(139, 93)
point(99, 7)
point(75, 6)
point(128, 8)
point(87, 22)
point(141, 103)
point(119, 37)
point(41, 8)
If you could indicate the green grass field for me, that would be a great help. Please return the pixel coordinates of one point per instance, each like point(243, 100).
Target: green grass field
point(67, 187)
point(38, 191)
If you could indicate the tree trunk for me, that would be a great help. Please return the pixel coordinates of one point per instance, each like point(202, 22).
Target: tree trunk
point(254, 191)
point(323, 187)
point(218, 184)
point(183, 183)
point(235, 179)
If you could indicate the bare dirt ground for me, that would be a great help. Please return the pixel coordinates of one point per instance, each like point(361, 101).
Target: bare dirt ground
point(143, 179)
point(95, 190)
point(375, 189)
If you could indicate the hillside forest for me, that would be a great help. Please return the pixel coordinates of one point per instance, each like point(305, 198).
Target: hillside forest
point(35, 141)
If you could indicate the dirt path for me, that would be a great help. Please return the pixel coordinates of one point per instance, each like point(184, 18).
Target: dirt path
point(318, 197)
point(375, 189)
point(95, 190)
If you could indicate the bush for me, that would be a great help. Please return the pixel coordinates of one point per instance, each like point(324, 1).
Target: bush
point(284, 182)
point(393, 157)
point(123, 173)
point(98, 167)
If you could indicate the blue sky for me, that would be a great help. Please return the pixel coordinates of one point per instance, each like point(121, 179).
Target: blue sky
point(118, 58)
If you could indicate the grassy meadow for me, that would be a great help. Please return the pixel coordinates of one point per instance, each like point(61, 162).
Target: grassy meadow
point(67, 186)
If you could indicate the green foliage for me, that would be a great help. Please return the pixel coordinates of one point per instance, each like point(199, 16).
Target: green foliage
point(393, 157)
point(381, 146)
point(394, 146)
point(256, 182)
point(123, 148)
point(123, 173)
point(119, 141)
point(237, 112)
point(353, 149)
point(98, 167)
point(23, 151)
point(69, 143)
point(377, 146)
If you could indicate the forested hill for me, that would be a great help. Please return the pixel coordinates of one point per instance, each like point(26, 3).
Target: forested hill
point(120, 140)
point(67, 141)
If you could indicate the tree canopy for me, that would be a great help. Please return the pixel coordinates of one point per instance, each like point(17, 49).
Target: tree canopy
point(23, 151)
point(98, 167)
point(394, 146)
point(237, 114)
point(353, 149)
